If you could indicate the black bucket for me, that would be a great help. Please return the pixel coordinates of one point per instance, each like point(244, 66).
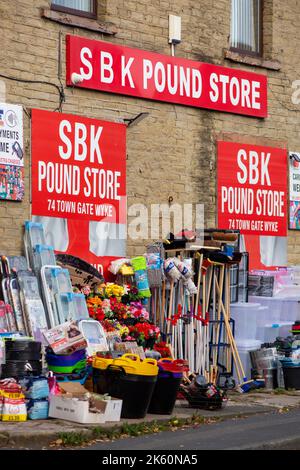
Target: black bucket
point(135, 390)
point(165, 393)
point(291, 377)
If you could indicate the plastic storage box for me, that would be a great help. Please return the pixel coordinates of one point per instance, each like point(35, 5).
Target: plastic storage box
point(244, 349)
point(245, 317)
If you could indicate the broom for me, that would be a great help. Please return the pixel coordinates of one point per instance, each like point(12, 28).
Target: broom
point(245, 384)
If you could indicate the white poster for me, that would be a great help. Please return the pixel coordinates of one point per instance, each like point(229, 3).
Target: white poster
point(11, 135)
point(294, 169)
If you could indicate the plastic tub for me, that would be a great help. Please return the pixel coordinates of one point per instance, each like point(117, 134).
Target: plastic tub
point(274, 305)
point(135, 390)
point(277, 330)
point(261, 321)
point(244, 349)
point(291, 377)
point(290, 310)
point(167, 386)
point(244, 315)
point(129, 379)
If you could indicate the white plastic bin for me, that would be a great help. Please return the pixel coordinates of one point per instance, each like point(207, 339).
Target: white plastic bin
point(245, 317)
point(275, 307)
point(290, 310)
point(244, 348)
point(281, 329)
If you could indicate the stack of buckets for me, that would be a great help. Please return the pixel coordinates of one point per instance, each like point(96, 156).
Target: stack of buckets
point(68, 368)
point(144, 386)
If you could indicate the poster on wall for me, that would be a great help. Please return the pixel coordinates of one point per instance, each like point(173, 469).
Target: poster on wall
point(252, 198)
point(79, 185)
point(294, 178)
point(11, 152)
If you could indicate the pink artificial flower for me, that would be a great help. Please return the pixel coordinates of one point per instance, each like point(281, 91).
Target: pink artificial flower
point(145, 314)
point(86, 290)
point(106, 305)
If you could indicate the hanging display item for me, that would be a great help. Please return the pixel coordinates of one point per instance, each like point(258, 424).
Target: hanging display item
point(11, 152)
point(294, 176)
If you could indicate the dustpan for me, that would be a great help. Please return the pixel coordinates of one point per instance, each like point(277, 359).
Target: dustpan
point(43, 255)
point(33, 308)
point(48, 283)
point(15, 301)
point(34, 235)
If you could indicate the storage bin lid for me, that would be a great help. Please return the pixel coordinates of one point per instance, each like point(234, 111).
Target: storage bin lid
point(244, 305)
point(131, 363)
point(249, 345)
point(101, 363)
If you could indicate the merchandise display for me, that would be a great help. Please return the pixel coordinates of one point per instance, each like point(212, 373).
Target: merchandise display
point(75, 347)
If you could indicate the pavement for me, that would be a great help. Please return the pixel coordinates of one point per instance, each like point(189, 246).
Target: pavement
point(40, 434)
point(272, 431)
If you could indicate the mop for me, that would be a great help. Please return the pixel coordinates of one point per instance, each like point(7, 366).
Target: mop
point(198, 325)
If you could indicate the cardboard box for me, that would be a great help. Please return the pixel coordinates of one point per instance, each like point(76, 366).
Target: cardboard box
point(75, 405)
point(113, 410)
point(65, 338)
point(74, 409)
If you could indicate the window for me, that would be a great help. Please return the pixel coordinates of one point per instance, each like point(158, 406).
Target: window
point(246, 26)
point(76, 7)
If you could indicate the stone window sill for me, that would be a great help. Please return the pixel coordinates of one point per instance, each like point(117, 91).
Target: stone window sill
point(78, 21)
point(252, 60)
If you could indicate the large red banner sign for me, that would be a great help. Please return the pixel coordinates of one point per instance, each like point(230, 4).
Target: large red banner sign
point(252, 189)
point(118, 69)
point(79, 185)
point(78, 167)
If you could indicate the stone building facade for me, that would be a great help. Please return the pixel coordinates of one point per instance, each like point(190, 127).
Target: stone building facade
point(172, 152)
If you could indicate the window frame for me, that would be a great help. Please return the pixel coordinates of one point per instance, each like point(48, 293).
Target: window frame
point(73, 11)
point(245, 52)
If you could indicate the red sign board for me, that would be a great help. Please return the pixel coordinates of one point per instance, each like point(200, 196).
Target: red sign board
point(117, 69)
point(78, 167)
point(252, 189)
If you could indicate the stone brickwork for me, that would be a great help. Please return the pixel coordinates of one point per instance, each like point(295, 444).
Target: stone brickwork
point(172, 152)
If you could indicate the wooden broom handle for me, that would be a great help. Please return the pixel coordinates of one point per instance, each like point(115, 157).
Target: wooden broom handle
point(230, 335)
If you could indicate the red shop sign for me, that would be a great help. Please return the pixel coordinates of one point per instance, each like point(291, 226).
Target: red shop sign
point(78, 167)
point(123, 70)
point(252, 189)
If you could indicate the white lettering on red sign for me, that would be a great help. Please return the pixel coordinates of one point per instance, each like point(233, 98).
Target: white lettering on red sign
point(118, 69)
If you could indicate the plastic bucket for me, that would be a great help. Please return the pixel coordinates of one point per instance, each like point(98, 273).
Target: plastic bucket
point(165, 392)
point(135, 390)
point(291, 377)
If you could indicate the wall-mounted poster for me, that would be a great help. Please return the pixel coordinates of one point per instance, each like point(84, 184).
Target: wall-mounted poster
point(11, 152)
point(294, 174)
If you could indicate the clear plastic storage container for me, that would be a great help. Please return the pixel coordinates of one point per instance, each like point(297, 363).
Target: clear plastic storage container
point(245, 317)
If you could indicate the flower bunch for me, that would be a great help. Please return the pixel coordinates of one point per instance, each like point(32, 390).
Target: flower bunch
point(114, 325)
point(137, 310)
point(131, 294)
point(120, 311)
point(144, 331)
point(114, 290)
point(163, 349)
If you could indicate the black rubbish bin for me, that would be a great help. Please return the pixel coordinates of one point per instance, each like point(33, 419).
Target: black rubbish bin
point(165, 393)
point(135, 390)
